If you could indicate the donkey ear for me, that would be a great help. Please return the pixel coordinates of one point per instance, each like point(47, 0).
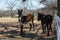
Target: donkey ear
point(38, 13)
point(21, 10)
point(18, 10)
point(23, 0)
point(42, 1)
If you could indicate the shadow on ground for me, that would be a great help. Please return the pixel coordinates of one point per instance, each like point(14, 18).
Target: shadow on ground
point(35, 36)
point(14, 33)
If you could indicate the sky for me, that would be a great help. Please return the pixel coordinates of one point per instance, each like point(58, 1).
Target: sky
point(2, 4)
point(29, 4)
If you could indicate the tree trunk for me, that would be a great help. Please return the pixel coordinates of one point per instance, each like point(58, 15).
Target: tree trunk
point(11, 15)
point(58, 3)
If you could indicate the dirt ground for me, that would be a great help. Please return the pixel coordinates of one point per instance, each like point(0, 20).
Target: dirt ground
point(10, 30)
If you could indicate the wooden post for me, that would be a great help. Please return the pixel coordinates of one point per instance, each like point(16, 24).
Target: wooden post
point(58, 3)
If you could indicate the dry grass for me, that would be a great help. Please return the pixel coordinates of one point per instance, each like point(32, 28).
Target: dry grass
point(8, 19)
point(12, 25)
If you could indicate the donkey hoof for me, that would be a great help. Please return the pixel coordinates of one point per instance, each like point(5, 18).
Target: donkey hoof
point(48, 35)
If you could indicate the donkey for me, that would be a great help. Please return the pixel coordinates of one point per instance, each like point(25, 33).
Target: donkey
point(46, 21)
point(23, 19)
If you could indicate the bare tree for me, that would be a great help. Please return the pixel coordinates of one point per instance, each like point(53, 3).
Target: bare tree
point(11, 5)
point(51, 5)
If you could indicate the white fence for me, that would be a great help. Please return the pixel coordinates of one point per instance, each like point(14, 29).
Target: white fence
point(57, 25)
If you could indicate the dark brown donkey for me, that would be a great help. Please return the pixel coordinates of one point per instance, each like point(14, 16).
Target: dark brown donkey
point(46, 21)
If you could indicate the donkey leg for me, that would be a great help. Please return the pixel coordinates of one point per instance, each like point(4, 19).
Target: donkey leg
point(50, 28)
point(21, 30)
point(43, 28)
point(30, 27)
point(47, 30)
point(33, 26)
